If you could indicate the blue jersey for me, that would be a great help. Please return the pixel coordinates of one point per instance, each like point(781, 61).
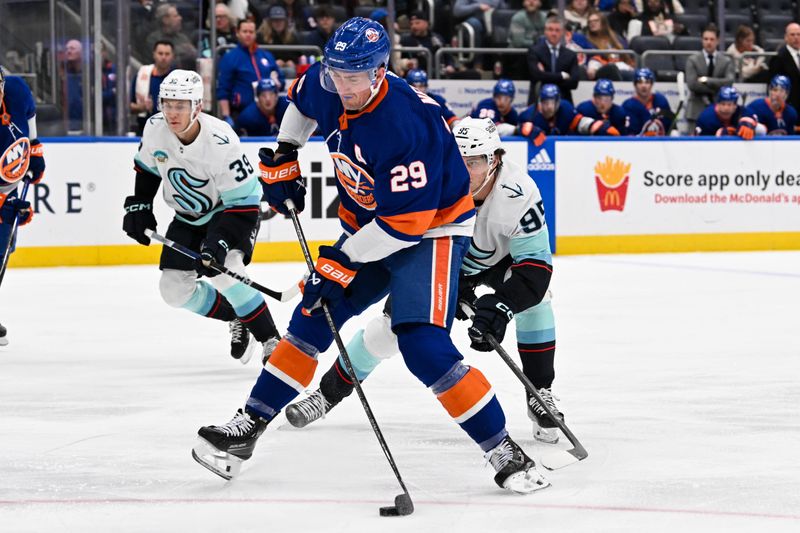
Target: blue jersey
point(710, 123)
point(564, 122)
point(253, 122)
point(781, 122)
point(397, 165)
point(616, 115)
point(447, 113)
point(240, 69)
point(488, 109)
point(16, 109)
point(640, 113)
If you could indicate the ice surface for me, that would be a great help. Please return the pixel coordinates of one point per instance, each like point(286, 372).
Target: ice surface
point(679, 373)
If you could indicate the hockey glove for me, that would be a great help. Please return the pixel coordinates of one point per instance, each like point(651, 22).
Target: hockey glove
point(281, 180)
point(138, 217)
point(466, 294)
point(747, 128)
point(214, 248)
point(332, 274)
point(14, 207)
point(603, 127)
point(36, 166)
point(492, 315)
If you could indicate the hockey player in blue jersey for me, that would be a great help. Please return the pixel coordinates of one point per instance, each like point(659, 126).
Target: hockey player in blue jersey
point(602, 107)
point(554, 116)
point(498, 107)
point(649, 111)
point(509, 252)
point(263, 116)
point(725, 117)
point(775, 116)
point(418, 79)
point(22, 155)
point(407, 216)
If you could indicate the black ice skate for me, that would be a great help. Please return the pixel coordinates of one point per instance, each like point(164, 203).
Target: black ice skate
point(223, 449)
point(545, 428)
point(516, 472)
point(242, 342)
point(312, 408)
point(3, 338)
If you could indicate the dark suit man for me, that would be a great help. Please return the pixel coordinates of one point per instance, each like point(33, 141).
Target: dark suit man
point(787, 62)
point(550, 62)
point(706, 72)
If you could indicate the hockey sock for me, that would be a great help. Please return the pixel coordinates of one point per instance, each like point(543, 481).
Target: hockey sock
point(207, 301)
point(251, 309)
point(336, 383)
point(537, 363)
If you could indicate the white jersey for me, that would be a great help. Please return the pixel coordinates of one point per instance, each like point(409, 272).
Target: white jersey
point(201, 178)
point(510, 221)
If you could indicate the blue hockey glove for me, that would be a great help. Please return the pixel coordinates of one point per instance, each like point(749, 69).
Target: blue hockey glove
point(14, 207)
point(214, 248)
point(281, 180)
point(331, 275)
point(36, 165)
point(138, 217)
point(492, 315)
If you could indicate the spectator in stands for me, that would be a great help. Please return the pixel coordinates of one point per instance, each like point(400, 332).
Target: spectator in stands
point(753, 69)
point(275, 29)
point(578, 13)
point(326, 25)
point(73, 84)
point(620, 16)
point(144, 86)
point(706, 72)
point(649, 111)
point(787, 62)
point(473, 13)
point(725, 117)
point(673, 7)
point(602, 107)
point(109, 83)
point(549, 61)
point(170, 29)
point(243, 10)
point(240, 69)
point(421, 35)
point(263, 116)
point(526, 25)
point(499, 107)
point(658, 20)
point(226, 31)
point(301, 17)
point(602, 37)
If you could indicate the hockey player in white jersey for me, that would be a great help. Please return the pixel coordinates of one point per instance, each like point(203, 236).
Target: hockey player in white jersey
point(211, 185)
point(509, 252)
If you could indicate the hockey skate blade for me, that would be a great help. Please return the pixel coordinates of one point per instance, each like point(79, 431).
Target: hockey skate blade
point(248, 353)
point(223, 464)
point(556, 459)
point(545, 435)
point(403, 506)
point(525, 482)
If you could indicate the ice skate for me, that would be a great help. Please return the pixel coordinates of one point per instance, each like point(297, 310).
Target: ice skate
point(544, 428)
point(223, 449)
point(267, 348)
point(3, 338)
point(516, 472)
point(312, 408)
point(242, 342)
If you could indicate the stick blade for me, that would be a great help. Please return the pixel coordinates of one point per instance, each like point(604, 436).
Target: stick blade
point(557, 459)
point(403, 506)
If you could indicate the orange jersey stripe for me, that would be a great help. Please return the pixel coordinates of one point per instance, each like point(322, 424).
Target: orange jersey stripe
point(441, 280)
point(465, 394)
point(348, 217)
point(449, 214)
point(293, 363)
point(418, 222)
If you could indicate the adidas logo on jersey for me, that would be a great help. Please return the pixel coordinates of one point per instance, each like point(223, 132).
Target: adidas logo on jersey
point(541, 161)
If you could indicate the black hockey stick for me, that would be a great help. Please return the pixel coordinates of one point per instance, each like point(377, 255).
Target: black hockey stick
point(553, 459)
point(282, 296)
point(674, 122)
point(13, 233)
point(402, 502)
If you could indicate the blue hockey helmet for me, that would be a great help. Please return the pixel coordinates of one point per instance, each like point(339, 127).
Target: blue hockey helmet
point(728, 93)
point(359, 45)
point(603, 87)
point(266, 84)
point(549, 91)
point(504, 87)
point(643, 74)
point(417, 77)
point(781, 81)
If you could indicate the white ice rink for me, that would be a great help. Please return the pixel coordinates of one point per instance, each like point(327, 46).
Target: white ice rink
point(679, 373)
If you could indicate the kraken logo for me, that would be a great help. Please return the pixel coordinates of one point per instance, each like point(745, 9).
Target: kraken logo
point(188, 196)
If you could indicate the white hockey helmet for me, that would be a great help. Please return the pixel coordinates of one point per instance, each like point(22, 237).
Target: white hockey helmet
point(183, 85)
point(477, 136)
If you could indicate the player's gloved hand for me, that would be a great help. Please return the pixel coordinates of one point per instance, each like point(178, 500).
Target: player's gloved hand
point(747, 128)
point(603, 127)
point(14, 207)
point(214, 248)
point(533, 132)
point(725, 131)
point(332, 274)
point(466, 294)
point(281, 180)
point(229, 120)
point(36, 165)
point(492, 315)
point(138, 217)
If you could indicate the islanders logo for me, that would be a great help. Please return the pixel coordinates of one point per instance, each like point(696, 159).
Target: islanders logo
point(15, 160)
point(358, 184)
point(611, 177)
point(372, 35)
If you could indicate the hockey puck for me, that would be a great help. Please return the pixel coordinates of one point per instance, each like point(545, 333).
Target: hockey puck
point(403, 506)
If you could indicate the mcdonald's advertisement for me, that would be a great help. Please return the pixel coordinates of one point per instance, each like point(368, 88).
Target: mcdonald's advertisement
point(621, 196)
